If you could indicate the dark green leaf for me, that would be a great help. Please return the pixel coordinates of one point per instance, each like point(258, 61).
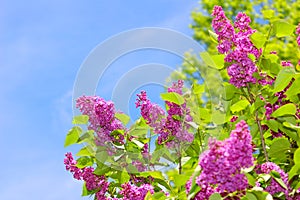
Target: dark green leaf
point(278, 149)
point(273, 124)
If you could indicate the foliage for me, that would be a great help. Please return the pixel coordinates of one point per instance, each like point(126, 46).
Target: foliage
point(247, 146)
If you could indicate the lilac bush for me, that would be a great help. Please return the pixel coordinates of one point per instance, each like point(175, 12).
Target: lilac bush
point(250, 153)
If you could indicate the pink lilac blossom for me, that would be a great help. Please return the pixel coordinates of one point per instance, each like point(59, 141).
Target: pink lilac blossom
point(151, 112)
point(286, 63)
point(298, 33)
point(87, 174)
point(274, 187)
point(173, 127)
point(270, 108)
point(130, 191)
point(237, 46)
point(141, 167)
point(221, 165)
point(101, 118)
point(170, 127)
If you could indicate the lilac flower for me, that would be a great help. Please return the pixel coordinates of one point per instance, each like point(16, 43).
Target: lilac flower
point(70, 164)
point(130, 191)
point(237, 46)
point(87, 174)
point(172, 127)
point(223, 29)
point(274, 187)
point(221, 165)
point(151, 112)
point(139, 165)
point(101, 117)
point(298, 33)
point(286, 64)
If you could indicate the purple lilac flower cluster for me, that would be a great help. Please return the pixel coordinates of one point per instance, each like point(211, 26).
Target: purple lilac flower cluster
point(270, 108)
point(100, 183)
point(274, 187)
point(167, 125)
point(286, 63)
point(86, 174)
point(151, 112)
point(298, 33)
point(130, 191)
point(101, 117)
point(237, 46)
point(221, 165)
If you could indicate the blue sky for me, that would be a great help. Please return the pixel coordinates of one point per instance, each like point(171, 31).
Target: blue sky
point(43, 44)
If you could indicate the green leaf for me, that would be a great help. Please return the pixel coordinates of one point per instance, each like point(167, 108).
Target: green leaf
point(292, 126)
point(172, 97)
point(250, 196)
point(80, 119)
point(280, 181)
point(239, 106)
point(230, 91)
point(122, 117)
point(85, 192)
point(283, 28)
point(207, 59)
point(73, 136)
point(294, 89)
point(213, 36)
point(181, 180)
point(148, 196)
point(251, 179)
point(294, 171)
point(297, 157)
point(138, 143)
point(197, 88)
point(84, 162)
point(101, 156)
point(268, 14)
point(258, 39)
point(159, 196)
point(283, 79)
point(273, 124)
point(124, 177)
point(278, 149)
point(85, 151)
point(101, 169)
point(215, 196)
point(154, 174)
point(219, 61)
point(218, 117)
point(287, 109)
point(260, 194)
